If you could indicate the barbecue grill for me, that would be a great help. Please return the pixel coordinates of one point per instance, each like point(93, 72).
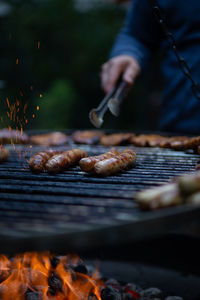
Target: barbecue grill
point(73, 210)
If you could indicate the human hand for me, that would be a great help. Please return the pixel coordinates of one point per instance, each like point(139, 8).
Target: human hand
point(122, 65)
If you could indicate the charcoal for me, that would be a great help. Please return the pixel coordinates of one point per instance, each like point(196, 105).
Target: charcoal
point(80, 268)
point(133, 288)
point(109, 293)
point(128, 296)
point(54, 262)
point(174, 298)
point(30, 295)
point(55, 284)
point(152, 293)
point(114, 283)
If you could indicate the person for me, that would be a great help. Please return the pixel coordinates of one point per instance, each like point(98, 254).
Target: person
point(140, 37)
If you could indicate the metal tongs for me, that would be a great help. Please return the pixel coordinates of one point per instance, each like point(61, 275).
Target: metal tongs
point(112, 101)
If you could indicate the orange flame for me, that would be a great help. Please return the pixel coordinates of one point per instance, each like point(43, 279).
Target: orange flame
point(34, 273)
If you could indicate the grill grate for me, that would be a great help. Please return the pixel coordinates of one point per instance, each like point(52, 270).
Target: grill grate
point(34, 205)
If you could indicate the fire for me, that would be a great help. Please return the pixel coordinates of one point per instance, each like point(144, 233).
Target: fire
point(42, 276)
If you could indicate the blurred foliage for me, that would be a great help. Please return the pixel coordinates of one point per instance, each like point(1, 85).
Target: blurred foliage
point(56, 106)
point(60, 51)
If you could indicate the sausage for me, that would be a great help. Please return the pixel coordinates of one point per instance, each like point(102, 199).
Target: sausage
point(116, 139)
point(4, 154)
point(159, 197)
point(13, 136)
point(38, 161)
point(87, 164)
point(189, 184)
point(115, 164)
point(89, 137)
point(50, 139)
point(151, 140)
point(64, 160)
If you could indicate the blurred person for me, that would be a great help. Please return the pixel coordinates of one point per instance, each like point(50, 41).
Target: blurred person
point(138, 41)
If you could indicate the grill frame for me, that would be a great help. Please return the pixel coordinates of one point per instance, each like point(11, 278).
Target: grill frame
point(128, 224)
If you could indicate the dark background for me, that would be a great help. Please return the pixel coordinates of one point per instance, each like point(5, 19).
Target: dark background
point(55, 49)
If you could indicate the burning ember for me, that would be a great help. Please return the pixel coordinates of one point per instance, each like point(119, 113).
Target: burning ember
point(34, 276)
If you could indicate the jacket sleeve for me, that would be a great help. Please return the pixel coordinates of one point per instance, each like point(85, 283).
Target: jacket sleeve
point(140, 35)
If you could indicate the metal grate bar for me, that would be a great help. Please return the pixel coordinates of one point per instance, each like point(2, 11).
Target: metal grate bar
point(74, 201)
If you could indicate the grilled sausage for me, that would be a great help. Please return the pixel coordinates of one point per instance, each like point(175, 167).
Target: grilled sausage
point(185, 143)
point(159, 197)
point(151, 140)
point(115, 164)
point(116, 139)
point(38, 161)
point(13, 136)
point(87, 164)
point(50, 139)
point(4, 154)
point(89, 137)
point(64, 160)
point(189, 184)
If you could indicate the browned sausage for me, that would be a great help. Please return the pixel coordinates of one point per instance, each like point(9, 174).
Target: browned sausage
point(50, 139)
point(13, 136)
point(87, 164)
point(116, 139)
point(64, 160)
point(158, 197)
point(90, 137)
point(38, 161)
point(115, 164)
point(4, 154)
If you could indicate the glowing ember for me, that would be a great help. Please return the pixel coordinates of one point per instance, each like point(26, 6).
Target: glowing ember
point(17, 61)
point(38, 107)
point(41, 96)
point(38, 44)
point(44, 277)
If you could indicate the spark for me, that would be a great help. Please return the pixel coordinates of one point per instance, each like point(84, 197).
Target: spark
point(41, 95)
point(38, 44)
point(38, 107)
point(33, 116)
point(25, 107)
point(17, 61)
point(8, 103)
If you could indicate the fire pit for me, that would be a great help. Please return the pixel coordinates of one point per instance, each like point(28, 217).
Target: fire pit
point(42, 276)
